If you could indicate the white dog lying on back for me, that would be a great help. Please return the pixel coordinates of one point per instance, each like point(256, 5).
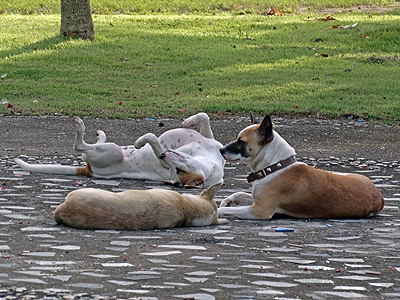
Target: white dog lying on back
point(180, 155)
point(138, 209)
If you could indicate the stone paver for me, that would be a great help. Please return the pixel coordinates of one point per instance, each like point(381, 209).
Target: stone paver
point(315, 259)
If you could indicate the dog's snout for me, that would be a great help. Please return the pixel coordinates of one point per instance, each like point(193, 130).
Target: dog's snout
point(162, 155)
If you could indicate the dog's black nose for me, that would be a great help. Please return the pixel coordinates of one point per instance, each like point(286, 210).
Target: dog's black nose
point(162, 155)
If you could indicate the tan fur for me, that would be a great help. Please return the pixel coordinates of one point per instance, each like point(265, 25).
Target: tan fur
point(137, 209)
point(85, 171)
point(305, 192)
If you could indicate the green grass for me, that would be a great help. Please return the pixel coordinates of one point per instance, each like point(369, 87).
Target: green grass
point(179, 6)
point(175, 65)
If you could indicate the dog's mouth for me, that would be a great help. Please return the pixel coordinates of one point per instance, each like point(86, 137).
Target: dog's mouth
point(173, 153)
point(230, 159)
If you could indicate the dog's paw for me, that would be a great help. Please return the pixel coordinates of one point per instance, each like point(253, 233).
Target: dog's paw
point(143, 140)
point(189, 122)
point(101, 136)
point(79, 124)
point(227, 202)
point(237, 199)
point(194, 120)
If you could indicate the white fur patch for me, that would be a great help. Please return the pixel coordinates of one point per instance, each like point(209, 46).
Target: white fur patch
point(339, 173)
point(203, 221)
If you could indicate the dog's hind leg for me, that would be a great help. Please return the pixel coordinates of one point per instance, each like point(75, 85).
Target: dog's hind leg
point(203, 120)
point(100, 154)
point(79, 144)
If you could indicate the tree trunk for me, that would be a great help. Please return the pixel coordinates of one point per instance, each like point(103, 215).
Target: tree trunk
point(76, 19)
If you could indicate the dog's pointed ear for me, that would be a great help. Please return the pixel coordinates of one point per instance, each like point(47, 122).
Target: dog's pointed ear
point(253, 118)
point(265, 129)
point(210, 192)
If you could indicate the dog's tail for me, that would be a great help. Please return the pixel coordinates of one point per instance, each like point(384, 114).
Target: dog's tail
point(54, 169)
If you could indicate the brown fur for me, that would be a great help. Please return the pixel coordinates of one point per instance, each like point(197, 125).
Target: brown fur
point(137, 209)
point(305, 192)
point(85, 171)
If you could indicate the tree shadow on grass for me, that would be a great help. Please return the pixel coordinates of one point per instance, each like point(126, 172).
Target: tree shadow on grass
point(47, 43)
point(258, 66)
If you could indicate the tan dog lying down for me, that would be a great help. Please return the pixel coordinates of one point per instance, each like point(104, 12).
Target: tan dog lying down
point(138, 209)
point(284, 185)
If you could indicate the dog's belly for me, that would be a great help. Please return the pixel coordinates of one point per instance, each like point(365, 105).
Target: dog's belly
point(127, 151)
point(136, 164)
point(176, 138)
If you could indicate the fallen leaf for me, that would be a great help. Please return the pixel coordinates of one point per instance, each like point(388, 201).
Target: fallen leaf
point(349, 26)
point(328, 18)
point(341, 26)
point(332, 27)
point(274, 12)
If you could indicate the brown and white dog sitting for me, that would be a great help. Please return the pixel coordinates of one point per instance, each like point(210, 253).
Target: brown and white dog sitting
point(181, 155)
point(283, 185)
point(138, 209)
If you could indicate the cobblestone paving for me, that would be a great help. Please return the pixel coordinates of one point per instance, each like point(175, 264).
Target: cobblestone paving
point(282, 258)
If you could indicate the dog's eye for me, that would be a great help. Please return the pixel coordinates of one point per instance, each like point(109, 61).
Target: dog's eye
point(179, 170)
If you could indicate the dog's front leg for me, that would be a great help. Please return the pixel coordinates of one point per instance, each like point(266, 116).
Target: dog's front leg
point(240, 212)
point(101, 137)
point(261, 209)
point(237, 199)
point(153, 141)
